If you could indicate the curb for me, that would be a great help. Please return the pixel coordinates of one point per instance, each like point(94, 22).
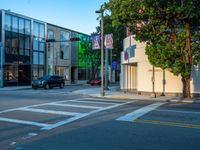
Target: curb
point(116, 97)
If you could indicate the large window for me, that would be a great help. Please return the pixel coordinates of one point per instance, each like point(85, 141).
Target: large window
point(7, 22)
point(64, 46)
point(38, 43)
point(17, 43)
point(15, 24)
point(27, 27)
point(21, 25)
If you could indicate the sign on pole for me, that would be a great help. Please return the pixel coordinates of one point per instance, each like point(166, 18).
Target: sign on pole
point(96, 42)
point(108, 41)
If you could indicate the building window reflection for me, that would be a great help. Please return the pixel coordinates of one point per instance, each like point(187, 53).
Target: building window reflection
point(7, 22)
point(21, 25)
point(14, 24)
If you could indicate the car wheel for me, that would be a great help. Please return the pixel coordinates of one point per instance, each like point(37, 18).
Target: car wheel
point(46, 86)
point(61, 85)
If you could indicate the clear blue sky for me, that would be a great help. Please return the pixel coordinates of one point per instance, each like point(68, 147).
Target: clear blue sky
point(77, 15)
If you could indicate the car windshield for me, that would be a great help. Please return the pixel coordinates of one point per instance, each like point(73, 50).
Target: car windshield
point(44, 78)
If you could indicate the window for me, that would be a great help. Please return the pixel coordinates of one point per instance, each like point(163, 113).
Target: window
point(21, 44)
point(35, 29)
point(7, 22)
point(41, 58)
point(15, 40)
point(35, 43)
point(41, 26)
point(14, 24)
point(50, 34)
point(41, 43)
point(64, 46)
point(27, 52)
point(8, 42)
point(27, 42)
point(21, 25)
point(27, 27)
point(35, 58)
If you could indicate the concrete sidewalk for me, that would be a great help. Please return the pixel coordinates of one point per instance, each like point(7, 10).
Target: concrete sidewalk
point(13, 88)
point(115, 93)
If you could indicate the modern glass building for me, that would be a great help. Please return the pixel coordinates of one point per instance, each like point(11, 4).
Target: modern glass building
point(25, 55)
point(23, 49)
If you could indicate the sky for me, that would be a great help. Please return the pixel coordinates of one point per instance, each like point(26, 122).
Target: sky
point(78, 15)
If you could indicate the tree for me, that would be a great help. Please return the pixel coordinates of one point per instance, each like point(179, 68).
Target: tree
point(90, 57)
point(171, 29)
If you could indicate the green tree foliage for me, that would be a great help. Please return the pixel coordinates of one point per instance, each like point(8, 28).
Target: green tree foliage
point(90, 57)
point(171, 29)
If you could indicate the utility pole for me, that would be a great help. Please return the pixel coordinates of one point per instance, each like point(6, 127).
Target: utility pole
point(102, 54)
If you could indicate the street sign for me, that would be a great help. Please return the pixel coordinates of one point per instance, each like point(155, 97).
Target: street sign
point(108, 41)
point(96, 42)
point(114, 65)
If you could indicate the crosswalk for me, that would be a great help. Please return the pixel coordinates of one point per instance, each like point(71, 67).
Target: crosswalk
point(68, 109)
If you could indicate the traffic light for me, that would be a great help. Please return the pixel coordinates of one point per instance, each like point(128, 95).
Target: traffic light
point(50, 40)
point(74, 39)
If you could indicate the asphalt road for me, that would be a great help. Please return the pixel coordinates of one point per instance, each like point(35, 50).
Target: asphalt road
point(56, 119)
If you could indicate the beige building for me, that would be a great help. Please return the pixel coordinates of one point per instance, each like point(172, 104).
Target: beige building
point(137, 73)
point(59, 53)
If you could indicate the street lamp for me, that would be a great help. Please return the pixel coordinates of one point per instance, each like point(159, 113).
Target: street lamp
point(102, 54)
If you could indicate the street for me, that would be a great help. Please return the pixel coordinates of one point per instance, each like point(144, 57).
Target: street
point(58, 119)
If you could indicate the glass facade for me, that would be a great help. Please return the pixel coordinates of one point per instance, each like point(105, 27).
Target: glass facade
point(20, 56)
point(38, 49)
point(17, 51)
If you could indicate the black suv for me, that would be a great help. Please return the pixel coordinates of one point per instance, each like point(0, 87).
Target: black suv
point(47, 82)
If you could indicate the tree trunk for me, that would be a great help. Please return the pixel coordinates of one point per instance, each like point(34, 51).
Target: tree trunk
point(186, 80)
point(186, 88)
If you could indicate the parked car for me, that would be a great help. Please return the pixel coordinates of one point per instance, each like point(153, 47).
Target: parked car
point(47, 82)
point(96, 81)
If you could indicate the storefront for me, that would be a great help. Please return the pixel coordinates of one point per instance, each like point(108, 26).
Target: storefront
point(23, 49)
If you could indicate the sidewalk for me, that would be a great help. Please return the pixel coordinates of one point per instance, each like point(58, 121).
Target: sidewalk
point(115, 93)
point(13, 88)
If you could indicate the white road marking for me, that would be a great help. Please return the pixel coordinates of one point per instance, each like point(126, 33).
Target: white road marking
point(107, 100)
point(24, 122)
point(96, 102)
point(75, 115)
point(43, 104)
point(13, 143)
point(55, 112)
point(75, 105)
point(29, 135)
point(82, 115)
point(140, 112)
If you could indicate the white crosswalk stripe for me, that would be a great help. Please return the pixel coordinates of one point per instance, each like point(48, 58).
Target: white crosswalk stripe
point(82, 103)
point(140, 112)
